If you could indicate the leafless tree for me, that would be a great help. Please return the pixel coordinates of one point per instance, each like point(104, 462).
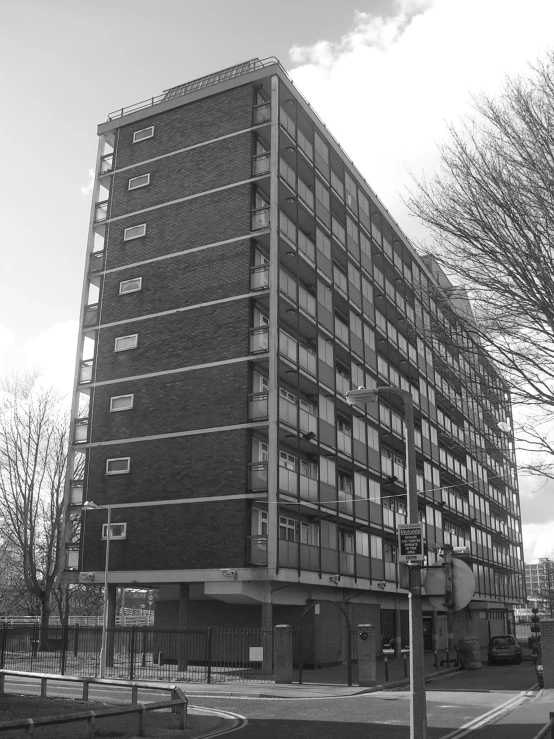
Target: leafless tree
point(33, 455)
point(490, 213)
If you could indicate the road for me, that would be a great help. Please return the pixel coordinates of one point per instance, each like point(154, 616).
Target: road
point(453, 701)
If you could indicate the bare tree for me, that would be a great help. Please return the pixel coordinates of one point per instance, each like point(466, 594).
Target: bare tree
point(490, 213)
point(33, 456)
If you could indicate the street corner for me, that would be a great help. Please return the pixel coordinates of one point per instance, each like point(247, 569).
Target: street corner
point(201, 724)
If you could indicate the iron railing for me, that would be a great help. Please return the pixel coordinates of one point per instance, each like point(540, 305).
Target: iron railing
point(141, 653)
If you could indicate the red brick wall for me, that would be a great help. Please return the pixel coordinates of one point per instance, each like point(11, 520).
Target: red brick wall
point(193, 278)
point(187, 125)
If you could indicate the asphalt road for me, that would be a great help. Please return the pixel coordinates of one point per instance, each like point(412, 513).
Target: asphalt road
point(453, 701)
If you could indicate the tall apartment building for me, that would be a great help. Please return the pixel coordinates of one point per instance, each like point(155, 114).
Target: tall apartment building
point(241, 276)
point(539, 583)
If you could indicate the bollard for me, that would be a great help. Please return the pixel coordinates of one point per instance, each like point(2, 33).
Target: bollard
point(367, 655)
point(405, 666)
point(386, 669)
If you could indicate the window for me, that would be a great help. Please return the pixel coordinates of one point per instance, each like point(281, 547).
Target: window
point(121, 402)
point(134, 232)
point(123, 343)
point(288, 529)
point(117, 531)
point(118, 466)
point(130, 286)
point(144, 133)
point(140, 181)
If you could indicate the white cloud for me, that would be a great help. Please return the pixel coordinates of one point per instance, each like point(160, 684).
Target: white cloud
point(388, 87)
point(6, 337)
point(538, 540)
point(52, 354)
point(87, 189)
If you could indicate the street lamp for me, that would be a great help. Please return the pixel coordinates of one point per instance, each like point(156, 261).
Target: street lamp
point(90, 506)
point(418, 708)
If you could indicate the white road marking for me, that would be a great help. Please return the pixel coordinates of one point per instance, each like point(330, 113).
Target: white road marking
point(486, 718)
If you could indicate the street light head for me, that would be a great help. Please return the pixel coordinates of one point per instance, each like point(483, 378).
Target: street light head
point(361, 396)
point(89, 505)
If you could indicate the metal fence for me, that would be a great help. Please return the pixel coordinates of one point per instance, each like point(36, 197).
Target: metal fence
point(141, 653)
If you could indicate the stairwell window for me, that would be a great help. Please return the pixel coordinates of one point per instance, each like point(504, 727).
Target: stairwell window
point(134, 232)
point(140, 181)
point(117, 531)
point(144, 133)
point(124, 343)
point(118, 466)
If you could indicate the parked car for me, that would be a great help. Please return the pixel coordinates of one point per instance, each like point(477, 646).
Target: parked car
point(504, 648)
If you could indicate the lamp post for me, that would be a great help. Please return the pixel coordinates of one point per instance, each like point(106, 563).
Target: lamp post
point(90, 506)
point(418, 708)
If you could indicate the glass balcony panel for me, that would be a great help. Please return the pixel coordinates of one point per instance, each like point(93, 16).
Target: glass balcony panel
point(390, 571)
point(76, 494)
point(343, 384)
point(259, 340)
point(308, 422)
point(106, 164)
point(346, 563)
point(96, 261)
point(257, 476)
point(308, 488)
point(101, 212)
point(72, 559)
point(388, 518)
point(257, 406)
point(288, 480)
point(91, 315)
point(260, 219)
point(260, 164)
point(262, 113)
point(81, 430)
point(85, 374)
point(287, 227)
point(341, 331)
point(306, 246)
point(307, 360)
point(259, 277)
point(288, 412)
point(306, 301)
point(257, 550)
point(344, 443)
point(346, 504)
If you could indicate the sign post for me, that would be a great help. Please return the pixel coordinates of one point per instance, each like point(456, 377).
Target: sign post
point(410, 543)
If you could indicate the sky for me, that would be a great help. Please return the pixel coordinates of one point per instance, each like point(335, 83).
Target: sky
point(386, 76)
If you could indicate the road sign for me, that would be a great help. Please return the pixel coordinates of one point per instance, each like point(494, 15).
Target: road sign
point(463, 587)
point(410, 542)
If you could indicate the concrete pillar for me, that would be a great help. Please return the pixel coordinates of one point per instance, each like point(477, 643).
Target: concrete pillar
point(397, 628)
point(182, 658)
point(367, 656)
point(267, 637)
point(547, 648)
point(283, 653)
point(112, 597)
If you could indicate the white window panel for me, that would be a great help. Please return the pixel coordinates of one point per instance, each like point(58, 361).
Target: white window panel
point(124, 343)
point(144, 133)
point(117, 531)
point(134, 232)
point(118, 466)
point(140, 181)
point(130, 286)
point(121, 402)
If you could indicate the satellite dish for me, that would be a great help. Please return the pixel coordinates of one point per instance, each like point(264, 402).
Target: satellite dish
point(463, 581)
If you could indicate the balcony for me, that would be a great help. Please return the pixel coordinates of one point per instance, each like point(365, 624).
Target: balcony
point(344, 443)
point(260, 164)
point(96, 261)
point(76, 496)
point(101, 211)
point(259, 219)
point(259, 340)
point(390, 571)
point(259, 277)
point(257, 406)
point(81, 431)
point(91, 315)
point(256, 550)
point(106, 163)
point(85, 373)
point(257, 476)
point(291, 482)
point(72, 558)
point(261, 113)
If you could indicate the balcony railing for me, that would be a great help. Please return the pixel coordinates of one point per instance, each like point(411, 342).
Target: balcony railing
point(85, 373)
point(257, 550)
point(257, 406)
point(76, 492)
point(106, 163)
point(259, 339)
point(91, 315)
point(101, 212)
point(261, 113)
point(291, 482)
point(72, 558)
point(97, 261)
point(260, 164)
point(260, 219)
point(81, 430)
point(259, 277)
point(257, 476)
